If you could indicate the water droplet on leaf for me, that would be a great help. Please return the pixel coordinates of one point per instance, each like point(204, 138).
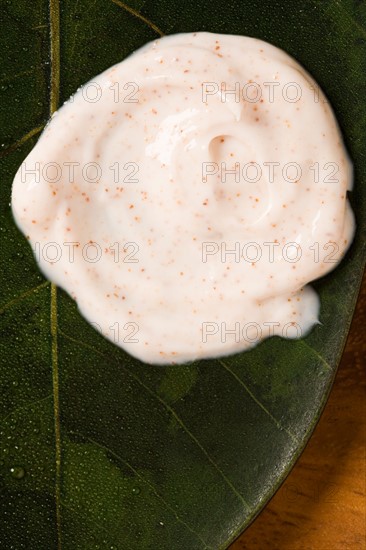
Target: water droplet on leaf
point(17, 472)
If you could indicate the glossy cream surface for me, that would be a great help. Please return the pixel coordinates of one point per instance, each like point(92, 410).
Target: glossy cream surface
point(186, 196)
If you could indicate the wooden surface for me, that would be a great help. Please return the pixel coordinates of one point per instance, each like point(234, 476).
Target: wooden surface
point(322, 503)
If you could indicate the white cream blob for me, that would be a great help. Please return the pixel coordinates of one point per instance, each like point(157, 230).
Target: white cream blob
point(187, 195)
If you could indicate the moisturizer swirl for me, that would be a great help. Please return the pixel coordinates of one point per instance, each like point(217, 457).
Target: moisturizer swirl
point(187, 195)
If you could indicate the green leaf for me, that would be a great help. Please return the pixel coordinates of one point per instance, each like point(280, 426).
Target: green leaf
point(101, 451)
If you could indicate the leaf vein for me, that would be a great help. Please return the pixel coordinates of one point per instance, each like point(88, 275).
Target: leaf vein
point(24, 407)
point(192, 436)
point(13, 77)
point(351, 20)
point(256, 400)
point(56, 409)
point(21, 141)
point(135, 13)
point(81, 343)
point(21, 297)
point(78, 512)
point(144, 480)
point(325, 363)
point(173, 413)
point(54, 15)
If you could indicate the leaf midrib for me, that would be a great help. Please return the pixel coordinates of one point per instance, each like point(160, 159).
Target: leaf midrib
point(54, 100)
